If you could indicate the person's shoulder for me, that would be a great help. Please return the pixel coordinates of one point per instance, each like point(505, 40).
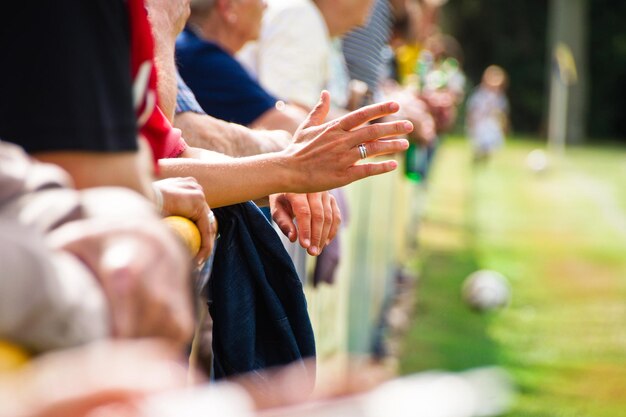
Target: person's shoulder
point(293, 21)
point(187, 40)
point(193, 50)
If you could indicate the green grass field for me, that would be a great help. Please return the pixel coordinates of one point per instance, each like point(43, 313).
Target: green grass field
point(560, 238)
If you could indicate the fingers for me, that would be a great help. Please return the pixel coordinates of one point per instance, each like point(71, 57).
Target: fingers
point(319, 113)
point(316, 208)
point(367, 113)
point(383, 147)
point(334, 227)
point(207, 236)
point(282, 215)
point(329, 217)
point(358, 172)
point(378, 131)
point(317, 216)
point(302, 211)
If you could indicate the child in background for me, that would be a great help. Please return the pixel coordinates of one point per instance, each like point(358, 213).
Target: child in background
point(487, 113)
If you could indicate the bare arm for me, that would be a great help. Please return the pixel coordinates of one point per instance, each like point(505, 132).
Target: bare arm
point(203, 131)
point(167, 18)
point(322, 157)
point(93, 169)
point(288, 118)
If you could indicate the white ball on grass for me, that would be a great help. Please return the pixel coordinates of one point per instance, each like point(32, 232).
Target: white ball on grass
point(537, 161)
point(486, 290)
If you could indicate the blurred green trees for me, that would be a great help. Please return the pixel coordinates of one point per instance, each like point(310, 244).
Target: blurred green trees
point(514, 35)
point(607, 50)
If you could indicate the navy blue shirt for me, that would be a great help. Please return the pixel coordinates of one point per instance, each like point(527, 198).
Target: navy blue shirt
point(221, 85)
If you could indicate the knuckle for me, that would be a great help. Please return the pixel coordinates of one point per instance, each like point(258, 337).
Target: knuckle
point(303, 211)
point(376, 130)
point(318, 216)
point(368, 169)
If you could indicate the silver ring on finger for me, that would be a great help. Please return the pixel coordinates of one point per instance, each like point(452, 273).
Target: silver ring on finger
point(362, 151)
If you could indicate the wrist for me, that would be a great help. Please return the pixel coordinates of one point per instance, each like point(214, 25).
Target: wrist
point(291, 179)
point(162, 27)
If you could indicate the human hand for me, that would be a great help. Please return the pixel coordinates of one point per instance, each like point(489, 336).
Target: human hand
point(416, 110)
point(168, 16)
point(324, 156)
point(442, 105)
point(317, 216)
point(185, 197)
point(143, 270)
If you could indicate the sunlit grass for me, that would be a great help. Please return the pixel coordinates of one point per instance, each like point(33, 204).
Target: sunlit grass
point(560, 238)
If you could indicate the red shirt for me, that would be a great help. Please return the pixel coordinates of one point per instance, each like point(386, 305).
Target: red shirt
point(165, 140)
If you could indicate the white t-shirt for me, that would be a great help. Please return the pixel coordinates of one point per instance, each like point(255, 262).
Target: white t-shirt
point(291, 57)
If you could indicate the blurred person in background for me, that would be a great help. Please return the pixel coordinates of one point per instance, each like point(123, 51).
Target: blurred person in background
point(291, 59)
point(215, 31)
point(368, 56)
point(487, 114)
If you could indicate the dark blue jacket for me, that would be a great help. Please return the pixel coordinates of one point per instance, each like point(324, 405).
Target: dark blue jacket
point(257, 302)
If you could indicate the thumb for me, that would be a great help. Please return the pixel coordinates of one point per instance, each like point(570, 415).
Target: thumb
point(319, 113)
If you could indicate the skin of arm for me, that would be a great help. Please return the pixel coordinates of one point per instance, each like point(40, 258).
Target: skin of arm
point(93, 169)
point(283, 116)
point(204, 131)
point(167, 18)
point(321, 157)
point(131, 170)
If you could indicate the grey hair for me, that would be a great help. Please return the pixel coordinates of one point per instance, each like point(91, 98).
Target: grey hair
point(201, 7)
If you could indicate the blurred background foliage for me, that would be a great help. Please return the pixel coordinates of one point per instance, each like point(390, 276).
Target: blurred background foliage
point(514, 35)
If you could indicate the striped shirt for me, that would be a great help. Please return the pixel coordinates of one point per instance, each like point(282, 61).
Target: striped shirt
point(365, 48)
point(185, 99)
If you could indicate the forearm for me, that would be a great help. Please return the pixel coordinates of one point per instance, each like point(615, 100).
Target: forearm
point(91, 169)
point(232, 180)
point(167, 21)
point(165, 62)
point(286, 118)
point(206, 132)
point(166, 84)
